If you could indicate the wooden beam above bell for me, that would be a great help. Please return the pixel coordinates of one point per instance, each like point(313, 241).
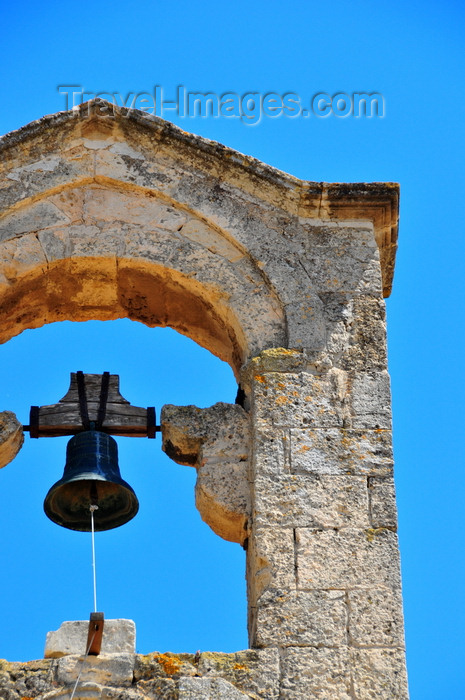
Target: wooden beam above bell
point(93, 401)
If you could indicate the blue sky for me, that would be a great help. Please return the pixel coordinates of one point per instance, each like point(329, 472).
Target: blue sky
point(166, 569)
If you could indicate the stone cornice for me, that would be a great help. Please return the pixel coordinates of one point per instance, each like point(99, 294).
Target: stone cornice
point(377, 202)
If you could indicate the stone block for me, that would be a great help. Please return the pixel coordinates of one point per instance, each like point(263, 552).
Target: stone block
point(198, 232)
point(379, 674)
point(347, 558)
point(33, 179)
point(271, 456)
point(375, 617)
point(311, 501)
point(36, 217)
point(341, 451)
point(20, 256)
point(107, 205)
point(299, 400)
point(81, 240)
point(103, 669)
point(154, 689)
point(277, 360)
point(366, 349)
point(306, 324)
point(119, 636)
point(167, 665)
point(70, 202)
point(208, 689)
point(343, 258)
point(370, 400)
point(308, 618)
point(84, 691)
point(355, 331)
point(255, 672)
point(383, 508)
point(157, 690)
point(319, 674)
point(216, 440)
point(133, 169)
point(270, 561)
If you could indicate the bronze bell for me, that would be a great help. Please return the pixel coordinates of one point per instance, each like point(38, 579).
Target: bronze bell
point(91, 477)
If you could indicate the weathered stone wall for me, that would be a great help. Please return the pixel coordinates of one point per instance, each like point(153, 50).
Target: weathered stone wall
point(253, 673)
point(111, 215)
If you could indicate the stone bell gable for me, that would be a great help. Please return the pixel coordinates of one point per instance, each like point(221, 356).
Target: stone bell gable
point(109, 213)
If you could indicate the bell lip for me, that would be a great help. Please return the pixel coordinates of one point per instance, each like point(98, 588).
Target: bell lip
point(98, 528)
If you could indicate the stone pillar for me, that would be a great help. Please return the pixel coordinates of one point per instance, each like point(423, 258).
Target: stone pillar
point(323, 564)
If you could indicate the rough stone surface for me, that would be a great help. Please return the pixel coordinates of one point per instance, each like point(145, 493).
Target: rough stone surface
point(11, 437)
point(250, 673)
point(311, 501)
point(216, 441)
point(117, 669)
point(341, 451)
point(370, 400)
point(119, 636)
point(379, 674)
point(167, 665)
point(208, 689)
point(271, 561)
point(316, 673)
point(107, 214)
point(383, 509)
point(20, 680)
point(347, 558)
point(255, 672)
point(310, 618)
point(375, 617)
point(302, 399)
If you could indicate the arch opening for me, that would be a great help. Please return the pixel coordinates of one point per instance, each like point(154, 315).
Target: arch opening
point(167, 570)
point(86, 255)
